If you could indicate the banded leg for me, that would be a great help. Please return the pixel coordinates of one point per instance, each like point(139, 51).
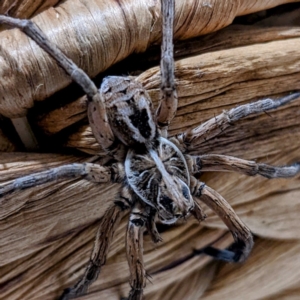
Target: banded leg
point(134, 246)
point(104, 236)
point(89, 171)
point(215, 162)
point(168, 104)
point(96, 108)
point(213, 127)
point(151, 226)
point(198, 212)
point(243, 240)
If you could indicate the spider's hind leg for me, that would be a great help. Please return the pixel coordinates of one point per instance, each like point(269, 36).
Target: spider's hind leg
point(215, 162)
point(243, 239)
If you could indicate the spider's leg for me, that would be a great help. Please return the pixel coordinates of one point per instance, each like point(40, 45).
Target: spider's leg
point(134, 245)
point(168, 104)
point(198, 212)
point(215, 162)
point(151, 226)
point(104, 236)
point(89, 171)
point(216, 125)
point(96, 108)
point(243, 240)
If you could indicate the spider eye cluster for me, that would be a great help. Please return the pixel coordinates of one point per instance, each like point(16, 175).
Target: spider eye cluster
point(129, 110)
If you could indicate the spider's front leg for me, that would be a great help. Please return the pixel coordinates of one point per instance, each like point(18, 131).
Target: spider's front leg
point(243, 239)
point(168, 104)
point(104, 236)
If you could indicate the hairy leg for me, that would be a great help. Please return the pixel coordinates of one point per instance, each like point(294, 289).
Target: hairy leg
point(198, 212)
point(213, 127)
point(96, 108)
point(243, 240)
point(215, 162)
point(151, 226)
point(104, 236)
point(134, 246)
point(89, 171)
point(168, 104)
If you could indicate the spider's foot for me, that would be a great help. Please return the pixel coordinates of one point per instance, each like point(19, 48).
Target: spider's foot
point(66, 295)
point(134, 295)
point(237, 252)
point(70, 293)
point(224, 255)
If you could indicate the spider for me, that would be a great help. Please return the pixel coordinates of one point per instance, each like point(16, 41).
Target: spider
point(157, 174)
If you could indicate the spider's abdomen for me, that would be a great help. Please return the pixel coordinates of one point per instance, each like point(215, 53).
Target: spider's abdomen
point(129, 110)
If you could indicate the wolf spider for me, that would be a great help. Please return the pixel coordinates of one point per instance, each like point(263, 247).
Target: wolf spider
point(156, 172)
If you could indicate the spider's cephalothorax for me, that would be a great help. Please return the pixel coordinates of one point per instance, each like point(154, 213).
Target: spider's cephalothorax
point(157, 179)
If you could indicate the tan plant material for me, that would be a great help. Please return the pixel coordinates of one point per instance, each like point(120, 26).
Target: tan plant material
point(25, 8)
point(134, 25)
point(47, 232)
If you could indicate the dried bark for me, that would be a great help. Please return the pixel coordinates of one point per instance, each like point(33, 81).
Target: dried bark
point(47, 232)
